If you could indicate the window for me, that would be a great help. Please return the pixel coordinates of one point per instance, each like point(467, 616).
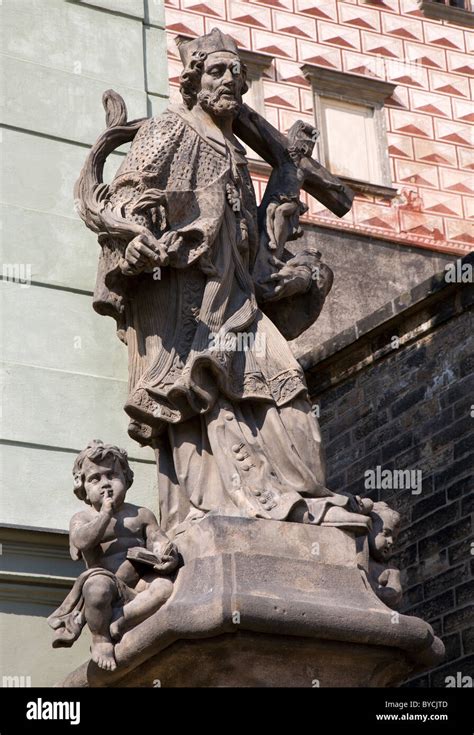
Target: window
point(454, 3)
point(350, 148)
point(256, 64)
point(452, 11)
point(351, 121)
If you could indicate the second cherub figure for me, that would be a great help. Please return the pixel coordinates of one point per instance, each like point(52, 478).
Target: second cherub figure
point(127, 555)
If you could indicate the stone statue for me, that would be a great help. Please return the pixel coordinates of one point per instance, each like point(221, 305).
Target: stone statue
point(274, 566)
point(384, 578)
point(190, 269)
point(122, 584)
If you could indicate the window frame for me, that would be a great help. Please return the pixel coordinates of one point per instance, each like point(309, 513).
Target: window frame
point(449, 13)
point(256, 63)
point(363, 91)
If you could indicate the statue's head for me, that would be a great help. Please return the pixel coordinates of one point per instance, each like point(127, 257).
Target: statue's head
point(385, 529)
point(213, 76)
point(100, 471)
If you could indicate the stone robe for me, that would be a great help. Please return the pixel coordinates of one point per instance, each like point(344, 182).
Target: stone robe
point(213, 385)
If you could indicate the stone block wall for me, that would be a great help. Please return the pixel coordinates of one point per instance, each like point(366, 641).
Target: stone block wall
point(396, 392)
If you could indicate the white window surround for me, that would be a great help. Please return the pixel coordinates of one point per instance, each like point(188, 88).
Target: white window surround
point(256, 64)
point(341, 156)
point(340, 93)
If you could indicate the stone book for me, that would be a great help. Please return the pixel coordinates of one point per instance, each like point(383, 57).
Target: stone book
point(138, 554)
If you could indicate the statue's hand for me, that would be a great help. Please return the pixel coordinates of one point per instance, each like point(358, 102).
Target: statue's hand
point(389, 587)
point(144, 253)
point(290, 280)
point(107, 507)
point(168, 557)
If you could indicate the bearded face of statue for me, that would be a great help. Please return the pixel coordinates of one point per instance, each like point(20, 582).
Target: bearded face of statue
point(221, 85)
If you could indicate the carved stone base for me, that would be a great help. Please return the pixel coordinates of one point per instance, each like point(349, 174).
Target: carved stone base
point(268, 603)
point(257, 660)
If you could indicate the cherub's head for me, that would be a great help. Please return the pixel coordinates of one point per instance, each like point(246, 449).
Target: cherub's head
point(385, 529)
point(101, 471)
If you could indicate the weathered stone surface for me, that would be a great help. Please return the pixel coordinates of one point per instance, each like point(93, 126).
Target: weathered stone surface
point(259, 660)
point(189, 265)
point(355, 260)
point(128, 558)
point(243, 576)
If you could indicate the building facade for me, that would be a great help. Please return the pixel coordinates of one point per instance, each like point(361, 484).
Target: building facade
point(388, 84)
point(64, 371)
point(338, 65)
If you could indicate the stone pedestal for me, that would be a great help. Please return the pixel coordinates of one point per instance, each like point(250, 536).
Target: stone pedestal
point(259, 660)
point(268, 603)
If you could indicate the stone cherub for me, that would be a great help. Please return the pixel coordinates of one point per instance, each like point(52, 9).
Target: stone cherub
point(126, 553)
point(383, 577)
